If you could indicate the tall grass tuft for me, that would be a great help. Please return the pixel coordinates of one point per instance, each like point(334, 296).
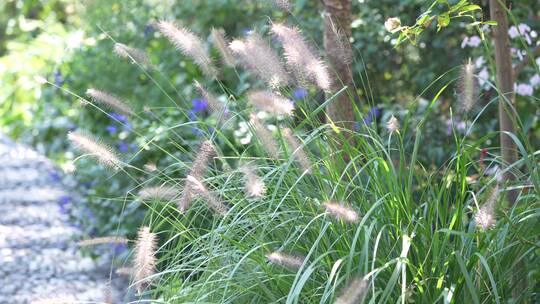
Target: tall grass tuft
point(220, 42)
point(271, 102)
point(354, 293)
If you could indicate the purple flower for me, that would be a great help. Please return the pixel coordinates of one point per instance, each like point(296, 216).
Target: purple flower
point(148, 30)
point(199, 104)
point(71, 127)
point(373, 114)
point(123, 147)
point(64, 200)
point(300, 93)
point(112, 129)
point(58, 79)
point(119, 117)
point(118, 248)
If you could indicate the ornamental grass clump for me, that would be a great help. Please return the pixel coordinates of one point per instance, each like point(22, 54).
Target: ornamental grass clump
point(398, 218)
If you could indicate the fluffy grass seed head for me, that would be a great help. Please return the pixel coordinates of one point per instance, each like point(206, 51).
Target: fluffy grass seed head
point(199, 188)
point(271, 102)
point(265, 137)
point(285, 260)
point(341, 212)
point(392, 125)
point(110, 101)
point(256, 55)
point(145, 258)
point(220, 42)
point(485, 216)
point(468, 87)
point(190, 45)
point(103, 240)
point(165, 193)
point(214, 104)
point(300, 58)
point(253, 184)
point(354, 293)
point(133, 54)
point(299, 153)
point(88, 144)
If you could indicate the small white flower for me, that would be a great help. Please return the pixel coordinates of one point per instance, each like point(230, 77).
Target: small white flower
point(392, 24)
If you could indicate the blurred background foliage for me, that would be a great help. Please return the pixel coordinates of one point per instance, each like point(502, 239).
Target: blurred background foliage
point(70, 43)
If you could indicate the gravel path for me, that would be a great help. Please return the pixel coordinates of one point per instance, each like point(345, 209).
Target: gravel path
point(39, 258)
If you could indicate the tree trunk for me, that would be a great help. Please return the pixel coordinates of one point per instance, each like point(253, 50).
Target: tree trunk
point(505, 85)
point(337, 30)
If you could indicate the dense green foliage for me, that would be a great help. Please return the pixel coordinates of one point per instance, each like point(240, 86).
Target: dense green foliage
point(416, 191)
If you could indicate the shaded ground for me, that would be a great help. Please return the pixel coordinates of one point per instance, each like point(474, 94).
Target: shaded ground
point(39, 258)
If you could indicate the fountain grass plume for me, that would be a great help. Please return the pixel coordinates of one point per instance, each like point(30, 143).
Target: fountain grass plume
point(200, 164)
point(300, 58)
point(285, 260)
point(467, 87)
point(253, 184)
point(266, 138)
point(103, 240)
point(190, 45)
point(163, 192)
point(88, 144)
point(485, 216)
point(220, 42)
point(200, 189)
point(299, 153)
point(109, 100)
point(214, 105)
point(133, 54)
point(341, 212)
point(271, 102)
point(354, 293)
point(392, 125)
point(145, 258)
point(256, 55)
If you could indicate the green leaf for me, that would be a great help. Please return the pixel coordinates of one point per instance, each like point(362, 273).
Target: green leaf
point(443, 21)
